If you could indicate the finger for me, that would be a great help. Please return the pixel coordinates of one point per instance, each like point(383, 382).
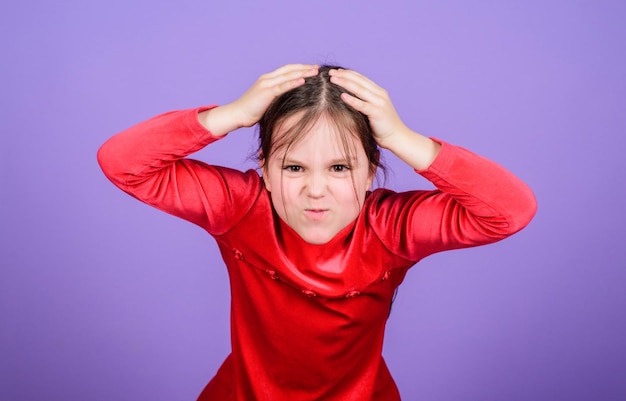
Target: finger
point(289, 74)
point(349, 77)
point(289, 80)
point(288, 85)
point(372, 95)
point(356, 103)
point(291, 68)
point(348, 74)
point(357, 90)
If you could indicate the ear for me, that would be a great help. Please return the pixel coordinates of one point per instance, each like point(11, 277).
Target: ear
point(266, 180)
point(370, 179)
point(372, 173)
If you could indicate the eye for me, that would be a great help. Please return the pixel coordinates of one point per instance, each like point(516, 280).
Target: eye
point(293, 168)
point(339, 168)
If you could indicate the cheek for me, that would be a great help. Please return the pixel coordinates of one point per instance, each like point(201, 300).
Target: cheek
point(284, 195)
point(292, 198)
point(361, 185)
point(346, 194)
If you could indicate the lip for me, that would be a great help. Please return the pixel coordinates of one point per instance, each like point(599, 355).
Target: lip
point(315, 214)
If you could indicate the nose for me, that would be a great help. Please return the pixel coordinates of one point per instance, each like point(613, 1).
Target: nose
point(316, 185)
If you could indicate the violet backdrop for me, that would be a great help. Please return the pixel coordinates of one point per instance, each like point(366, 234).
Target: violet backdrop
point(103, 298)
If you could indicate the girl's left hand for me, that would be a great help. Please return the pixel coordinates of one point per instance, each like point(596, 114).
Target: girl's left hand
point(371, 100)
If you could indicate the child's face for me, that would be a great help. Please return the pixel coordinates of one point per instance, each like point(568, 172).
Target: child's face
point(317, 192)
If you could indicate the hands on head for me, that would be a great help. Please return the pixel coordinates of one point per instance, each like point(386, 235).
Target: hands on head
point(369, 98)
point(253, 103)
point(366, 97)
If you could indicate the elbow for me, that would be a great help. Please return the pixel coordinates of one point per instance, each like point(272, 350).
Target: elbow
point(104, 157)
point(101, 156)
point(109, 163)
point(525, 210)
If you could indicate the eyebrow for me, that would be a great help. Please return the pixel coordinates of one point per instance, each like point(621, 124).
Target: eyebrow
point(346, 160)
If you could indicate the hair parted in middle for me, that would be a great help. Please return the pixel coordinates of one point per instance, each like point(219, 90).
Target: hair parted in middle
point(317, 98)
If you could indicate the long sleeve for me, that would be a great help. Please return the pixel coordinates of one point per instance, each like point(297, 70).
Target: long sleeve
point(148, 161)
point(476, 202)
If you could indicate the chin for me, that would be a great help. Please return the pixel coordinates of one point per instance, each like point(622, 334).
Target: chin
point(316, 238)
point(317, 242)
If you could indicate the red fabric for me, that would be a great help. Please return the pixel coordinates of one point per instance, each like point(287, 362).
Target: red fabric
point(307, 321)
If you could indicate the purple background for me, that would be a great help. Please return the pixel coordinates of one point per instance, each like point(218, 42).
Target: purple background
point(104, 298)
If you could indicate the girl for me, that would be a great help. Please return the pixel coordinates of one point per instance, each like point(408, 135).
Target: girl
point(313, 256)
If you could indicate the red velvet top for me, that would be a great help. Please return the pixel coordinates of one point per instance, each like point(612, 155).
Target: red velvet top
point(307, 321)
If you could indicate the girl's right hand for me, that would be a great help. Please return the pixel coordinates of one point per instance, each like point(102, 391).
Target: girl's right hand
point(252, 104)
point(249, 108)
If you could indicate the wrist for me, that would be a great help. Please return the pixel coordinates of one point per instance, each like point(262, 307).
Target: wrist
point(220, 120)
point(397, 139)
point(414, 149)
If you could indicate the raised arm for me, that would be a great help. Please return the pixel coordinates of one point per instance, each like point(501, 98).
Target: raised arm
point(250, 107)
point(390, 132)
point(477, 201)
point(148, 161)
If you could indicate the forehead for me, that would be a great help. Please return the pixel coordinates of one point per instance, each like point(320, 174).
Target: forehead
point(322, 135)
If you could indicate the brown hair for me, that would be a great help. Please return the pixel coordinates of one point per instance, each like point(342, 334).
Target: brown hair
point(317, 98)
